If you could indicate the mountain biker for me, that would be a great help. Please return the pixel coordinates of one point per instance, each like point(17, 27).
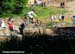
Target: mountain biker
point(30, 15)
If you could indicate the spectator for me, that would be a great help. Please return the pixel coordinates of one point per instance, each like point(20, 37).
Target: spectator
point(52, 18)
point(2, 25)
point(62, 17)
point(21, 26)
point(55, 17)
point(62, 4)
point(11, 25)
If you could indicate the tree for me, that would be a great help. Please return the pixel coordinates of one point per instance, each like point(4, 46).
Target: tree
point(8, 7)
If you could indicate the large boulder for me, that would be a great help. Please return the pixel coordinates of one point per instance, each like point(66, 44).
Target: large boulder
point(30, 31)
point(37, 31)
point(48, 31)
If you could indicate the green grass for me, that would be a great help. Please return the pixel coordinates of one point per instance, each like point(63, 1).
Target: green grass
point(51, 24)
point(48, 11)
point(42, 12)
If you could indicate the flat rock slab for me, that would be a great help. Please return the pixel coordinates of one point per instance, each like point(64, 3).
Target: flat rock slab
point(4, 38)
point(8, 37)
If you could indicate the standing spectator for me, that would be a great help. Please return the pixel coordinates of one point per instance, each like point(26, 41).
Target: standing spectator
point(3, 26)
point(11, 25)
point(21, 26)
point(3, 23)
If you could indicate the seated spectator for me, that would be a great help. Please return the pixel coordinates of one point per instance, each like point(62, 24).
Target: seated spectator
point(62, 4)
point(62, 17)
point(52, 18)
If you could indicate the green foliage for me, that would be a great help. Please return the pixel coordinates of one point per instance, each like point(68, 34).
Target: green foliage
point(17, 8)
point(9, 7)
point(44, 12)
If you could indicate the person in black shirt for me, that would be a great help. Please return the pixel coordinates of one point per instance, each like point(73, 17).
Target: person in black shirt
point(62, 4)
point(21, 26)
point(62, 17)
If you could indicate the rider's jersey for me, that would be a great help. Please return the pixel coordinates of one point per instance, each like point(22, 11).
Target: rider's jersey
point(30, 14)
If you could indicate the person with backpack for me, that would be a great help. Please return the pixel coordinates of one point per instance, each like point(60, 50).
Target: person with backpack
point(11, 25)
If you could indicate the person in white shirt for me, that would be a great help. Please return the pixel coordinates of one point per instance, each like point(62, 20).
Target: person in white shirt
point(30, 15)
point(52, 17)
point(55, 17)
point(2, 23)
point(39, 2)
point(3, 26)
point(60, 17)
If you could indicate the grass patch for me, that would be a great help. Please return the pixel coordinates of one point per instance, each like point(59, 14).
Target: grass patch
point(51, 24)
point(42, 12)
point(45, 12)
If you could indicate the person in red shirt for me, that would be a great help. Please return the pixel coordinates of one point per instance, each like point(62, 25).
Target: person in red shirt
point(10, 24)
